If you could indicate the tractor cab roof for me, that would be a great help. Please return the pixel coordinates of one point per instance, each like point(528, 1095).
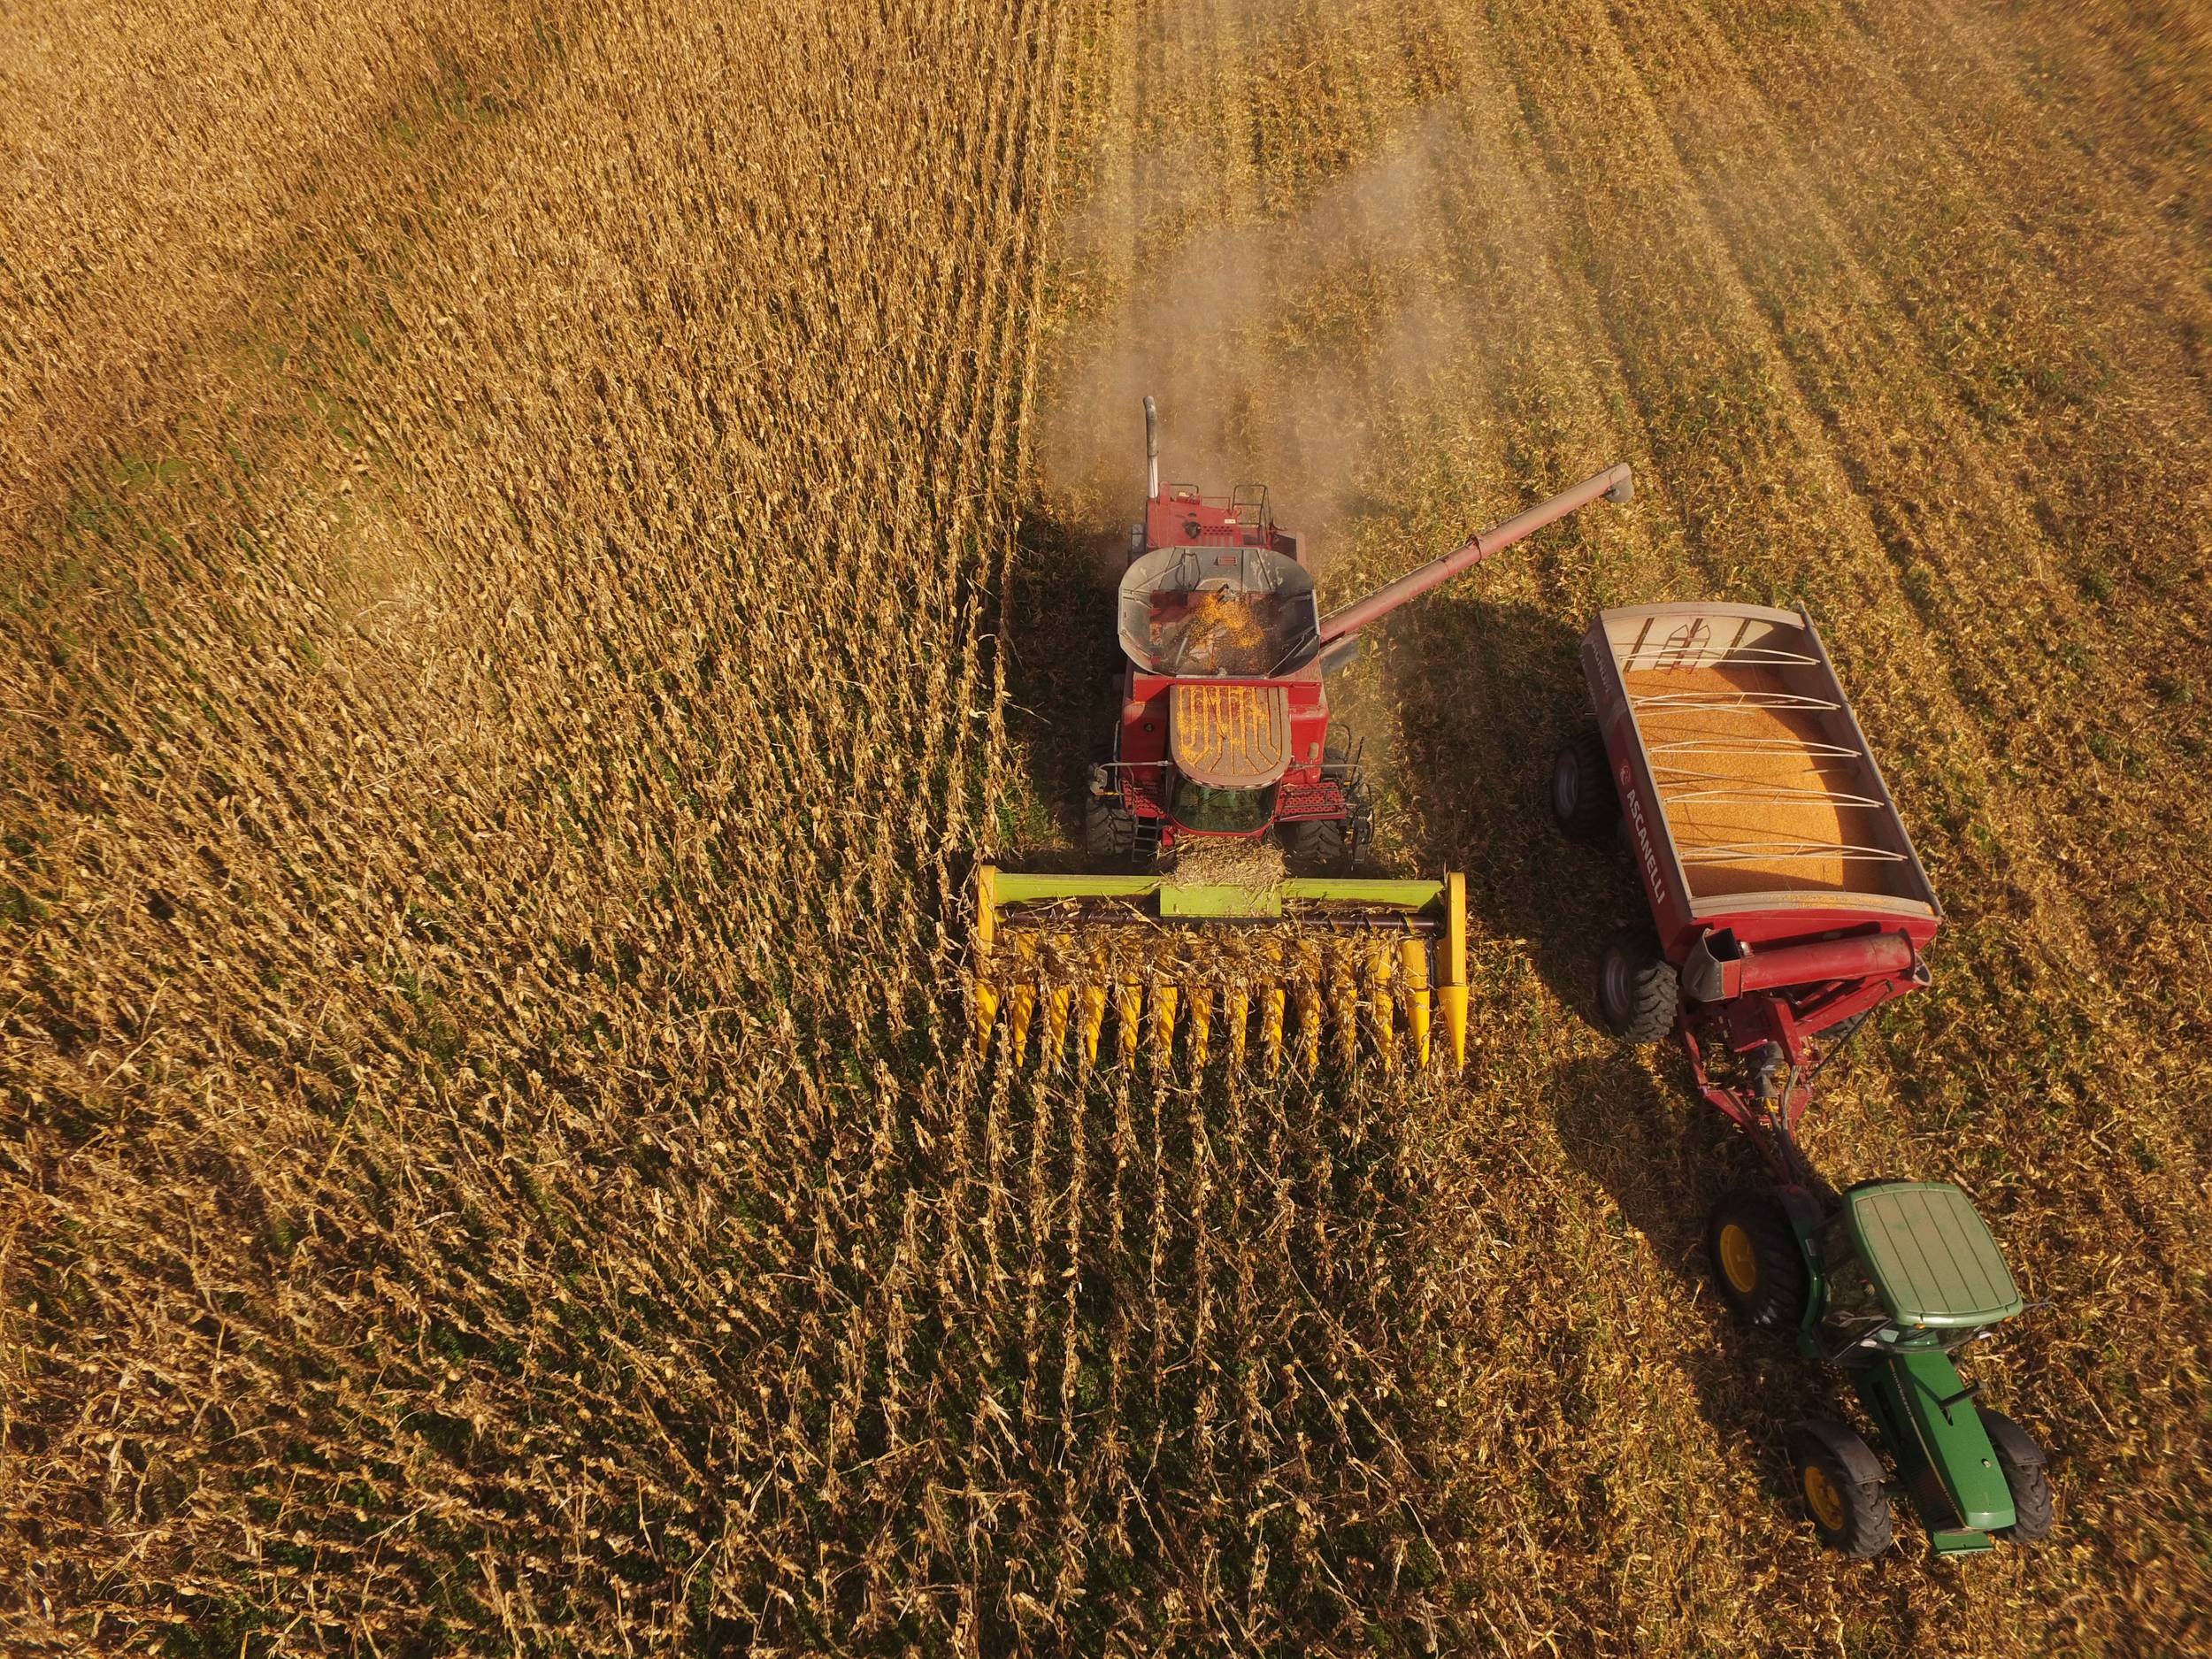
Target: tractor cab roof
point(1218, 612)
point(1929, 1256)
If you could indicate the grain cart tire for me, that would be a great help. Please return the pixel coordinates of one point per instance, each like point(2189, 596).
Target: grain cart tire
point(1757, 1267)
point(1836, 1035)
point(1636, 986)
point(2021, 1460)
point(1584, 803)
point(1840, 1480)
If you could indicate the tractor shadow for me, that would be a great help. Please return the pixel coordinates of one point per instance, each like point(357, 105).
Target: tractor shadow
point(1664, 1158)
point(1485, 694)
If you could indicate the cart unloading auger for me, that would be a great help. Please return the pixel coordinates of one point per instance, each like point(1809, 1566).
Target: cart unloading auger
point(1223, 737)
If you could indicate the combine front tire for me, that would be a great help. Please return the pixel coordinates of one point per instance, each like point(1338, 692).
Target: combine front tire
point(1840, 1480)
point(1584, 803)
point(1636, 986)
point(2021, 1460)
point(1109, 828)
point(1324, 844)
point(1333, 844)
point(1757, 1267)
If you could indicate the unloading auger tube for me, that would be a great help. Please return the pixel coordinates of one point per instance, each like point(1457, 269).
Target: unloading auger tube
point(1616, 484)
point(1312, 968)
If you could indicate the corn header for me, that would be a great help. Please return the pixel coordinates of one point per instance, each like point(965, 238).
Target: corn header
point(1223, 750)
point(1255, 972)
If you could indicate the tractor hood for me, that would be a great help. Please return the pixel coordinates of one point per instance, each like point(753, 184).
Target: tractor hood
point(1218, 612)
point(1228, 737)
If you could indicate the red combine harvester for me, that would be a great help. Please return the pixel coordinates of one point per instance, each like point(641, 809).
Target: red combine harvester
point(1223, 728)
point(1224, 736)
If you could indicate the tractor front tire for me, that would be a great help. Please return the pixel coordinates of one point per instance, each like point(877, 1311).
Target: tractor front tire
point(2020, 1461)
point(1758, 1266)
point(1584, 803)
point(1637, 987)
point(1839, 1480)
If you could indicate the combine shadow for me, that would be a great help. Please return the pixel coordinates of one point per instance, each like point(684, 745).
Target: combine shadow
point(1485, 693)
point(1061, 658)
point(1499, 687)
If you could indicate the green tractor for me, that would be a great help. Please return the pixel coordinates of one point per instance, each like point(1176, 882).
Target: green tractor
point(1889, 1285)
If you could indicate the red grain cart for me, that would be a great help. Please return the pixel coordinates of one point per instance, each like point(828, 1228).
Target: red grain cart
point(1787, 902)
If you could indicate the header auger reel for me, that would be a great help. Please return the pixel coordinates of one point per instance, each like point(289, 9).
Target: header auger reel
point(1310, 970)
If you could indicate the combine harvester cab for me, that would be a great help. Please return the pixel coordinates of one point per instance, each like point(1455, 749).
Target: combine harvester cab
point(1232, 814)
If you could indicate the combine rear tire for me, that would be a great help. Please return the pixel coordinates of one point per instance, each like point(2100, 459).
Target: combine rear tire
point(1757, 1267)
point(1584, 803)
point(1840, 1481)
point(1637, 986)
point(2021, 1460)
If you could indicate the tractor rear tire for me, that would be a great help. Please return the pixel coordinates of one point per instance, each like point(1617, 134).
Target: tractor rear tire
point(1758, 1266)
point(1637, 987)
point(1584, 803)
point(2021, 1460)
point(1839, 1480)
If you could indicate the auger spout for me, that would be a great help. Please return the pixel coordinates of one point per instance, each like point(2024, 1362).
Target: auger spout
point(1151, 451)
point(1616, 484)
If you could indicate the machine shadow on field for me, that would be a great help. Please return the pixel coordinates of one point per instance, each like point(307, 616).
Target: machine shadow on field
point(1061, 658)
point(1664, 1158)
point(1485, 694)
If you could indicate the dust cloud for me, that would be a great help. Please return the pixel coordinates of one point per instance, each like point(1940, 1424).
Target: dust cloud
point(1274, 347)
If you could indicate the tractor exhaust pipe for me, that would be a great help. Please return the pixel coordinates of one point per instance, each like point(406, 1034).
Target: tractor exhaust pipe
point(1151, 451)
point(1616, 484)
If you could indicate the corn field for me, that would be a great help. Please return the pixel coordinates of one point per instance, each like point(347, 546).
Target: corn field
point(540, 548)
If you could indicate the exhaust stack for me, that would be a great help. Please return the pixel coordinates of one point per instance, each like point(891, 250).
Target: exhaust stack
point(1151, 451)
